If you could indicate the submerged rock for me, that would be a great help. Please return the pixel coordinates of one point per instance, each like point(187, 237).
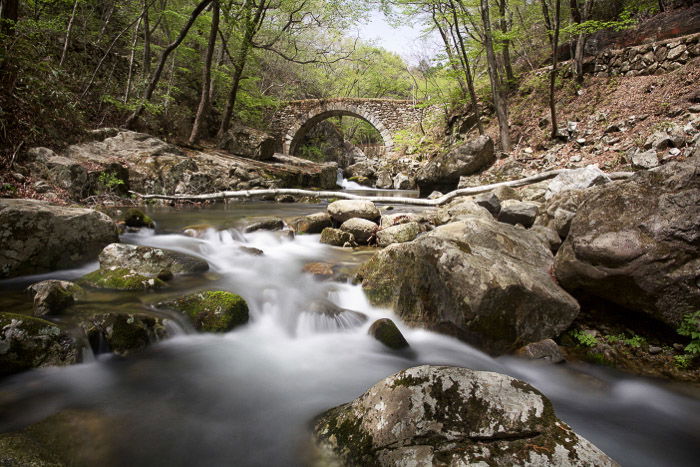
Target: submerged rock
point(343, 210)
point(146, 260)
point(312, 224)
point(386, 332)
point(337, 237)
point(437, 415)
point(39, 237)
point(211, 311)
point(53, 296)
point(485, 282)
point(27, 342)
point(635, 243)
point(122, 333)
point(265, 223)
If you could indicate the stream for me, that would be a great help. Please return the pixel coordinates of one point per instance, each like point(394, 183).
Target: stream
point(248, 397)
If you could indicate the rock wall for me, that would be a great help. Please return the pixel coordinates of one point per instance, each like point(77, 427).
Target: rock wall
point(647, 59)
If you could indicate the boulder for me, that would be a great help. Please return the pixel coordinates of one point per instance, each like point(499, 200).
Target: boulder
point(27, 342)
point(549, 237)
point(312, 224)
point(211, 311)
point(265, 223)
point(462, 207)
point(442, 173)
point(363, 172)
point(635, 243)
point(53, 296)
point(645, 160)
point(545, 350)
point(399, 233)
point(438, 415)
point(122, 333)
point(121, 279)
point(403, 182)
point(137, 218)
point(576, 179)
point(361, 229)
point(343, 210)
point(384, 180)
point(484, 282)
point(249, 143)
point(147, 261)
point(39, 237)
point(489, 201)
point(519, 212)
point(558, 211)
point(386, 332)
point(337, 237)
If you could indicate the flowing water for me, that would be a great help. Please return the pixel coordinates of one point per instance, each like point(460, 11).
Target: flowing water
point(247, 397)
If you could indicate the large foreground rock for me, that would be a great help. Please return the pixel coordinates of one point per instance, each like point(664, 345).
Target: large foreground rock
point(39, 237)
point(485, 282)
point(637, 243)
point(443, 172)
point(345, 209)
point(27, 342)
point(433, 415)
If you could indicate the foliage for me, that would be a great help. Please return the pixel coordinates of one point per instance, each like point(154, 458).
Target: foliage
point(109, 180)
point(690, 327)
point(635, 341)
point(584, 338)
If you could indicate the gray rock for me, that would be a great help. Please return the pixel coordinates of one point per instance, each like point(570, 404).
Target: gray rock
point(635, 243)
point(504, 193)
point(146, 260)
point(389, 220)
point(337, 237)
point(122, 333)
point(548, 236)
point(435, 195)
point(403, 182)
point(39, 237)
point(518, 212)
point(645, 160)
point(384, 180)
point(399, 233)
point(361, 229)
point(577, 179)
point(386, 332)
point(53, 296)
point(459, 208)
point(558, 211)
point(27, 342)
point(489, 201)
point(437, 415)
point(265, 223)
point(343, 210)
point(485, 282)
point(442, 173)
point(248, 142)
point(313, 223)
point(546, 350)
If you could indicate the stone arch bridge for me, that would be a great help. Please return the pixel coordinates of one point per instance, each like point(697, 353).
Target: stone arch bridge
point(291, 122)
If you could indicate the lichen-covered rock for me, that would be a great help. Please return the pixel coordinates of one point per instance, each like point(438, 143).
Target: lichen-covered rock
point(386, 332)
point(577, 179)
point(346, 209)
point(264, 223)
point(27, 342)
point(485, 282)
point(120, 279)
point(436, 415)
point(519, 212)
point(146, 260)
point(337, 237)
point(442, 173)
point(361, 229)
point(645, 159)
point(211, 311)
point(122, 333)
point(53, 296)
point(312, 224)
point(400, 233)
point(459, 208)
point(635, 243)
point(546, 350)
point(39, 237)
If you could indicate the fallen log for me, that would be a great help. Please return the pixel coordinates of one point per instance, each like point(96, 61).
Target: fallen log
point(223, 195)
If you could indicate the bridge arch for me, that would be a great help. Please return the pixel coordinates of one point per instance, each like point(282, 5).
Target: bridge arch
point(291, 122)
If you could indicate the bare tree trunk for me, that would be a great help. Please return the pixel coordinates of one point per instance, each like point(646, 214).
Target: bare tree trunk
point(206, 75)
point(68, 31)
point(132, 56)
point(547, 20)
point(499, 100)
point(148, 93)
point(146, 41)
point(505, 29)
point(581, 39)
point(450, 53)
point(553, 75)
point(9, 14)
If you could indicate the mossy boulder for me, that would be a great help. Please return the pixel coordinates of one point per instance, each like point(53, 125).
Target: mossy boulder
point(53, 296)
point(150, 261)
point(386, 332)
point(337, 237)
point(211, 311)
point(70, 437)
point(436, 415)
point(122, 333)
point(27, 342)
point(137, 218)
point(120, 279)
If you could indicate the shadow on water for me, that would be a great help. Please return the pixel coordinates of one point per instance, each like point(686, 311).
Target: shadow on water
point(248, 397)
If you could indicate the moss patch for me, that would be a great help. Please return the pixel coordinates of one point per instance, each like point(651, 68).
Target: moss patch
point(120, 279)
point(212, 311)
point(137, 218)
